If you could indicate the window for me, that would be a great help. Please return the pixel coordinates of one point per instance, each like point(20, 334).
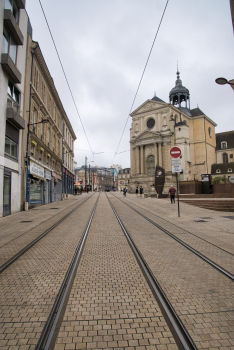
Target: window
point(9, 46)
point(11, 147)
point(150, 166)
point(13, 97)
point(231, 155)
point(36, 78)
point(210, 131)
point(225, 158)
point(150, 123)
point(229, 170)
point(218, 171)
point(223, 145)
point(11, 5)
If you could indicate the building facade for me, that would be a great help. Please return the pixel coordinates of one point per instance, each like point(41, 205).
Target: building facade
point(124, 177)
point(223, 170)
point(157, 126)
point(43, 140)
point(97, 178)
point(13, 42)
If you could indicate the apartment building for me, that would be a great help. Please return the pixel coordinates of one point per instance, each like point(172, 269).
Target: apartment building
point(13, 42)
point(49, 137)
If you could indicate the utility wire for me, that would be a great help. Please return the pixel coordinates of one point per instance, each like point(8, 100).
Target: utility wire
point(141, 78)
point(65, 76)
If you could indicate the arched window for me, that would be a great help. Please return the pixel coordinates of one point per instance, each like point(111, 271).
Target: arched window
point(150, 166)
point(225, 158)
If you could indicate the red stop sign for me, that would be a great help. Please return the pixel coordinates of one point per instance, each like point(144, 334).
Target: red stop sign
point(175, 152)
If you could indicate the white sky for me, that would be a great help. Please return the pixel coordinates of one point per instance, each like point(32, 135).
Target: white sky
point(104, 45)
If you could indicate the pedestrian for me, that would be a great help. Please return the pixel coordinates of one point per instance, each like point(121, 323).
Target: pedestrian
point(141, 191)
point(125, 191)
point(136, 191)
point(172, 192)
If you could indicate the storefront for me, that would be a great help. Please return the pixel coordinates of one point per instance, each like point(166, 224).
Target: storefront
point(39, 184)
point(57, 187)
point(68, 182)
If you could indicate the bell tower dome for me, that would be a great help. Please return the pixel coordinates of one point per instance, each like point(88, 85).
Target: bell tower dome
point(179, 93)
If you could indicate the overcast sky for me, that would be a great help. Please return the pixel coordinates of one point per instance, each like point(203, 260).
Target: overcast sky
point(104, 45)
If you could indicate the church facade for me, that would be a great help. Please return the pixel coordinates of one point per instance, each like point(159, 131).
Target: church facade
point(157, 126)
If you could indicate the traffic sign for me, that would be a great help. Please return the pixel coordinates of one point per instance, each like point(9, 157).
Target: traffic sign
point(175, 152)
point(176, 165)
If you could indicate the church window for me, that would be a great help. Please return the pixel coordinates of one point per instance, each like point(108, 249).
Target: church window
point(150, 123)
point(223, 145)
point(150, 166)
point(210, 131)
point(225, 158)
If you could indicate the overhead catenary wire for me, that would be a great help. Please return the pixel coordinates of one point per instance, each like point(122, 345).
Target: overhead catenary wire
point(141, 79)
point(66, 77)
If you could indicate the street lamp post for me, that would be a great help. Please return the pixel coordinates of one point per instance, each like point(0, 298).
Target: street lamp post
point(224, 81)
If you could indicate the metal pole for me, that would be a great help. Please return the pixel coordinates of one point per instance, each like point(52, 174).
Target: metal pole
point(85, 174)
point(89, 175)
point(178, 197)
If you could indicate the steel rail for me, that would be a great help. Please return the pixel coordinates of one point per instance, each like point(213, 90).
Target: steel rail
point(200, 255)
point(182, 337)
point(52, 326)
point(31, 244)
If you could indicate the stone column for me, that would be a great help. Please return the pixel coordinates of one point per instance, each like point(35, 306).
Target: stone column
point(142, 160)
point(156, 154)
point(160, 154)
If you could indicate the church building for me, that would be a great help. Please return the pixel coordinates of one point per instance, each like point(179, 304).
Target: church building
point(157, 126)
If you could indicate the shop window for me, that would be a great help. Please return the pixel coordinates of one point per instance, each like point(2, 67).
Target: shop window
point(11, 148)
point(9, 45)
point(225, 158)
point(223, 145)
point(13, 97)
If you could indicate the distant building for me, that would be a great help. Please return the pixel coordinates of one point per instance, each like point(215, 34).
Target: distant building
point(223, 170)
point(124, 177)
point(97, 178)
point(157, 126)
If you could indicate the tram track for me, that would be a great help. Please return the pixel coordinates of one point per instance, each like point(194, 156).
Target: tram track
point(222, 270)
point(182, 337)
point(16, 256)
point(51, 328)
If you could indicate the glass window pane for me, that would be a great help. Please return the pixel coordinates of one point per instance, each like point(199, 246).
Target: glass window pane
point(16, 96)
point(7, 190)
point(10, 88)
point(7, 145)
point(14, 149)
point(8, 5)
point(5, 43)
point(13, 50)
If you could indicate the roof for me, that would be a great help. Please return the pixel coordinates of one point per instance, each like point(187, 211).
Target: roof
point(196, 112)
point(223, 167)
point(227, 136)
point(155, 98)
point(185, 110)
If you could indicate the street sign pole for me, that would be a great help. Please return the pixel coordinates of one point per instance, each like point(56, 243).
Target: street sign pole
point(178, 197)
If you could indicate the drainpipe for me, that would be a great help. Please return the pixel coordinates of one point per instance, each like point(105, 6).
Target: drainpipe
point(27, 155)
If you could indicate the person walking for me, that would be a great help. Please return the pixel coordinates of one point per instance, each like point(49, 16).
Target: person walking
point(125, 191)
point(137, 191)
point(172, 193)
point(141, 191)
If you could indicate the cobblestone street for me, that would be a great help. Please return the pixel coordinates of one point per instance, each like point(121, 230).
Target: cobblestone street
point(110, 305)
